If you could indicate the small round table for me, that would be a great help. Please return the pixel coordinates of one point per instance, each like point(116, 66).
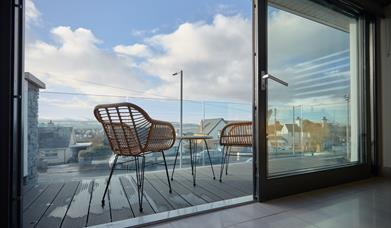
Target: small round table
point(193, 154)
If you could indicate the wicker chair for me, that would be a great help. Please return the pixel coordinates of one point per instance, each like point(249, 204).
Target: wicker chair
point(239, 134)
point(131, 132)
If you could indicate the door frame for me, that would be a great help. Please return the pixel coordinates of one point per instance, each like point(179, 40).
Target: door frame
point(11, 100)
point(269, 188)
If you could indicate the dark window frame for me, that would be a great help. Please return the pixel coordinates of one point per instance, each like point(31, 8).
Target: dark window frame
point(270, 188)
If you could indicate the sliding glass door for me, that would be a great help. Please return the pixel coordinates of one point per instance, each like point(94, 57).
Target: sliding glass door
point(312, 96)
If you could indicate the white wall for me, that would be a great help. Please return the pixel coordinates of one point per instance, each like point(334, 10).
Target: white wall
point(386, 87)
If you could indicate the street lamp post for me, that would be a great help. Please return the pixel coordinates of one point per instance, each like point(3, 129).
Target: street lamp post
point(181, 113)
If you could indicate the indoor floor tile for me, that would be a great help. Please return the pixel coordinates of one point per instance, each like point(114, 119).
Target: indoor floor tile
point(360, 204)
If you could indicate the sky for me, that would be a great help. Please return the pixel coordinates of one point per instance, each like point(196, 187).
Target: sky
point(93, 52)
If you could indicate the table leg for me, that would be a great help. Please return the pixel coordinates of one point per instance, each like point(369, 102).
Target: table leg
point(191, 157)
point(195, 163)
point(176, 157)
point(210, 160)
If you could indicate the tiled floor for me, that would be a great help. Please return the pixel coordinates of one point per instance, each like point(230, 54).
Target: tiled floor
point(360, 204)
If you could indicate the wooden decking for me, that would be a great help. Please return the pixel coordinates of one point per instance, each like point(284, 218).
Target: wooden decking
point(78, 203)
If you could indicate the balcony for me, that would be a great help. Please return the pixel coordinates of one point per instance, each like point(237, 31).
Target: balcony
point(74, 159)
point(77, 203)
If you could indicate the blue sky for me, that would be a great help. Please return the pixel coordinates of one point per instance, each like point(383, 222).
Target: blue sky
point(129, 21)
point(129, 49)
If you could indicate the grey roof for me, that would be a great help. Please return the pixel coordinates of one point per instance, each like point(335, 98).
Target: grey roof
point(54, 137)
point(208, 125)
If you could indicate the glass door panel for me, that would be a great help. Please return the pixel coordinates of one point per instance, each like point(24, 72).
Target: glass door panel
point(313, 121)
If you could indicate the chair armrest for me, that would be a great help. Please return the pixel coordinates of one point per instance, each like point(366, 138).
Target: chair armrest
point(161, 134)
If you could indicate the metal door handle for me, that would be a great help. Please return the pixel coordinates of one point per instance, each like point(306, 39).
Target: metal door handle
point(267, 76)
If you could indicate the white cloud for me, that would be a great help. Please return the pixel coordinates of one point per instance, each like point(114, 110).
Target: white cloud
point(135, 50)
point(294, 39)
point(216, 59)
point(76, 63)
point(32, 14)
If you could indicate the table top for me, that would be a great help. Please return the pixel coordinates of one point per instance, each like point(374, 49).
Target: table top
point(195, 137)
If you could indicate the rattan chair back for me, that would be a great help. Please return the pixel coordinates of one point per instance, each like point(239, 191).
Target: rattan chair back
point(237, 134)
point(127, 127)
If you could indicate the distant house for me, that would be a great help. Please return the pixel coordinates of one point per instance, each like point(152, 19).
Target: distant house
point(55, 144)
point(306, 135)
point(277, 141)
point(212, 127)
point(292, 133)
point(274, 128)
point(298, 134)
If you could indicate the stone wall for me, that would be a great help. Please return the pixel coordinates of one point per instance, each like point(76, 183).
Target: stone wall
point(32, 119)
point(33, 87)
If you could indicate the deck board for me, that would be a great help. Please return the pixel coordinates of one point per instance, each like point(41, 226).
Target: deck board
point(131, 194)
point(77, 213)
point(57, 210)
point(240, 185)
point(187, 195)
point(77, 204)
point(200, 191)
point(157, 201)
point(34, 213)
point(97, 213)
point(119, 205)
point(206, 184)
point(32, 194)
point(173, 198)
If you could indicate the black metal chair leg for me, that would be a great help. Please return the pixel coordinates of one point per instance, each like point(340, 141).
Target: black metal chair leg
point(140, 180)
point(108, 181)
point(136, 164)
point(168, 177)
point(227, 162)
point(176, 157)
point(210, 160)
point(191, 158)
point(223, 158)
point(142, 184)
point(221, 163)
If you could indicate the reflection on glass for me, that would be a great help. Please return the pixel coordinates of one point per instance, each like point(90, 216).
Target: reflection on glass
point(312, 123)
